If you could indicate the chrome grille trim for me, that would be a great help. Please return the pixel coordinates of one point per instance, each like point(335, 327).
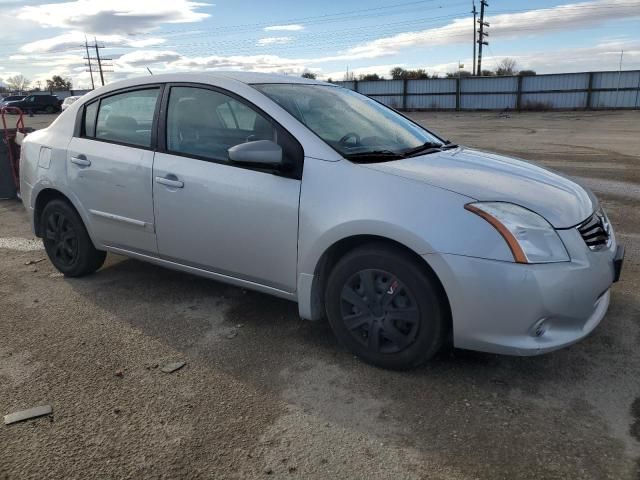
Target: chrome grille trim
point(596, 231)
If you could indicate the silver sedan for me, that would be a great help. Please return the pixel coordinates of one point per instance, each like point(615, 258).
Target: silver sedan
point(308, 191)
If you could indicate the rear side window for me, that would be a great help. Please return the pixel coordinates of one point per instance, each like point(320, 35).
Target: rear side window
point(206, 123)
point(90, 113)
point(124, 117)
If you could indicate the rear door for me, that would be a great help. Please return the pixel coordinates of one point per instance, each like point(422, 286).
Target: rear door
point(216, 215)
point(109, 166)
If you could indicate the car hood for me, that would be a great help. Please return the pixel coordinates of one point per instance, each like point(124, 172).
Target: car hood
point(490, 177)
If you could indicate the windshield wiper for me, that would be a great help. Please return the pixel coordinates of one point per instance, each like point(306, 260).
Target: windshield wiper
point(428, 147)
point(448, 145)
point(375, 154)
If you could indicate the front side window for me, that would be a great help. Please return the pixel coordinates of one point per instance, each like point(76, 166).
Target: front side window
point(354, 125)
point(127, 117)
point(206, 123)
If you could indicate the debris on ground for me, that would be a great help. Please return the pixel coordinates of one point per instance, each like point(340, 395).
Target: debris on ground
point(172, 367)
point(28, 414)
point(232, 334)
point(56, 275)
point(119, 373)
point(33, 262)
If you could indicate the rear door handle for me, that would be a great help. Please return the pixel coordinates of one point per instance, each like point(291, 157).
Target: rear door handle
point(170, 182)
point(81, 160)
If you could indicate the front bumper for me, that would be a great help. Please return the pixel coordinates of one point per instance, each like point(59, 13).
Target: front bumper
point(509, 308)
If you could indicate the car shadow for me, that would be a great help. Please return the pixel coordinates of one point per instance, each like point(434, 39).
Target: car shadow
point(485, 408)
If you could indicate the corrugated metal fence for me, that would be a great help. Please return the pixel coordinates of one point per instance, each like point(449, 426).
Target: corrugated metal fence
point(573, 91)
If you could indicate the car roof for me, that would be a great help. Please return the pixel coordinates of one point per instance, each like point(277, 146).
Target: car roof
point(196, 77)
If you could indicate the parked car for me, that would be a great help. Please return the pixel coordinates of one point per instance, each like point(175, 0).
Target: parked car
point(10, 98)
point(68, 101)
point(38, 103)
point(314, 193)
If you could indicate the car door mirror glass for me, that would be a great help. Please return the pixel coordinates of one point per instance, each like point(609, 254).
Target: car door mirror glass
point(259, 152)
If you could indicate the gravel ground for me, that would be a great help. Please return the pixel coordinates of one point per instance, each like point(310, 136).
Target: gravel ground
point(265, 395)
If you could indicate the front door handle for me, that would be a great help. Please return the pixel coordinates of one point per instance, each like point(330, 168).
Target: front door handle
point(81, 160)
point(170, 182)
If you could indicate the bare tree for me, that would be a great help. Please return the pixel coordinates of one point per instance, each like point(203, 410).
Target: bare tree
point(308, 74)
point(17, 82)
point(508, 66)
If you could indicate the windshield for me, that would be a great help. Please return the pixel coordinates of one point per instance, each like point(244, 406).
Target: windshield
point(359, 128)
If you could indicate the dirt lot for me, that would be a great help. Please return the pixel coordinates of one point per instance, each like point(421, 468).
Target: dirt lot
point(267, 395)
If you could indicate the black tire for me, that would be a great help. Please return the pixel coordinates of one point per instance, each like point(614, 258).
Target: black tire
point(49, 109)
point(408, 304)
point(67, 242)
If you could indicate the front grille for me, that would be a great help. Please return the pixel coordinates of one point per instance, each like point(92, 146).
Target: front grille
point(596, 231)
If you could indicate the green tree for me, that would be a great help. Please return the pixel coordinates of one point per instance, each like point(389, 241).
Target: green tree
point(58, 83)
point(369, 76)
point(527, 73)
point(399, 73)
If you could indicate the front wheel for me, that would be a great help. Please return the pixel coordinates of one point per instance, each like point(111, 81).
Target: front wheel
point(67, 242)
point(384, 307)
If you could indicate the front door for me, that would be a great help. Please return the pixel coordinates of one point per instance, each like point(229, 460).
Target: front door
point(212, 214)
point(109, 168)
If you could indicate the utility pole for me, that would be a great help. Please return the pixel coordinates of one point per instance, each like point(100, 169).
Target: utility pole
point(99, 60)
point(619, 75)
point(475, 14)
point(482, 34)
point(88, 59)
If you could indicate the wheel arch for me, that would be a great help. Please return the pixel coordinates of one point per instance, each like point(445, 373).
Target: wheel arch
point(339, 249)
point(47, 194)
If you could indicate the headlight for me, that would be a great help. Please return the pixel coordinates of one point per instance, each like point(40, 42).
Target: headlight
point(530, 237)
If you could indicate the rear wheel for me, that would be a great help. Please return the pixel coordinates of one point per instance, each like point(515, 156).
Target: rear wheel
point(385, 308)
point(67, 242)
point(49, 109)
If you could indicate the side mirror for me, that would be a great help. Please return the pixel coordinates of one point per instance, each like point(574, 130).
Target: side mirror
point(259, 152)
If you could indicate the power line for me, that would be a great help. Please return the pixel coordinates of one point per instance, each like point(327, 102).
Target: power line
point(235, 28)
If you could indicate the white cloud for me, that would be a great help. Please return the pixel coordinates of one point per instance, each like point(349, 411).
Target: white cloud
point(562, 17)
point(273, 41)
point(147, 57)
point(50, 61)
point(294, 27)
point(114, 16)
point(75, 40)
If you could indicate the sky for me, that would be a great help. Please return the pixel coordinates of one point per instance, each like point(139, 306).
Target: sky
point(40, 39)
